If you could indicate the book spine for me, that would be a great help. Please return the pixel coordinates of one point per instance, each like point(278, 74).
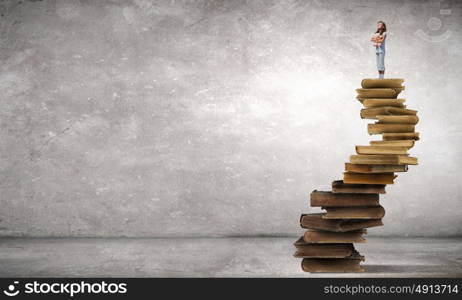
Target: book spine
point(360, 178)
point(389, 128)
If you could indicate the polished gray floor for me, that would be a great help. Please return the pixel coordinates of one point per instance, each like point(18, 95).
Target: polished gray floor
point(216, 257)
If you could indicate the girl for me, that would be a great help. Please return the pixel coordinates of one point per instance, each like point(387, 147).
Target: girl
point(378, 41)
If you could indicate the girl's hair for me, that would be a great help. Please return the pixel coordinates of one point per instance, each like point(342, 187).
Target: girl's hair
point(383, 29)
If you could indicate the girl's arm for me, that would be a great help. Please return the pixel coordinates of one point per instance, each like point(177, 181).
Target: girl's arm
point(381, 38)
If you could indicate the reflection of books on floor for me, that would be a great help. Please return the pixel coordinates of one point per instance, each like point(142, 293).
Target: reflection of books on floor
point(353, 205)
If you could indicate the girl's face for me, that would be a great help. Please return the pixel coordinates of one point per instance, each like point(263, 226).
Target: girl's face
point(379, 25)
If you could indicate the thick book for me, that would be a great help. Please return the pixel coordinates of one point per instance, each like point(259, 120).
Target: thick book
point(357, 168)
point(381, 150)
point(396, 143)
point(312, 250)
point(378, 128)
point(349, 264)
point(326, 199)
point(373, 83)
point(368, 103)
point(397, 119)
point(319, 236)
point(316, 221)
point(401, 136)
point(338, 186)
point(362, 178)
point(373, 212)
point(372, 113)
point(373, 159)
point(363, 94)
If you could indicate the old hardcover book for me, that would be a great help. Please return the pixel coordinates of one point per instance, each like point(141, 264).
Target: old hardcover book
point(363, 94)
point(396, 143)
point(326, 199)
point(372, 83)
point(318, 236)
point(398, 119)
point(373, 212)
point(401, 136)
point(373, 159)
point(381, 150)
point(372, 113)
point(356, 168)
point(379, 128)
point(316, 221)
point(368, 103)
point(340, 250)
point(338, 186)
point(362, 178)
point(349, 264)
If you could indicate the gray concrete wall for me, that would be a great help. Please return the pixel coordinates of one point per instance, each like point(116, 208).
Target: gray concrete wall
point(212, 118)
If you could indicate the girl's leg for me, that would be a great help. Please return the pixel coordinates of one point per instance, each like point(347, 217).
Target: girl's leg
point(381, 64)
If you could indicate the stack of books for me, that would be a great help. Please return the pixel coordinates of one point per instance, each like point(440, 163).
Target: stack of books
point(353, 205)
